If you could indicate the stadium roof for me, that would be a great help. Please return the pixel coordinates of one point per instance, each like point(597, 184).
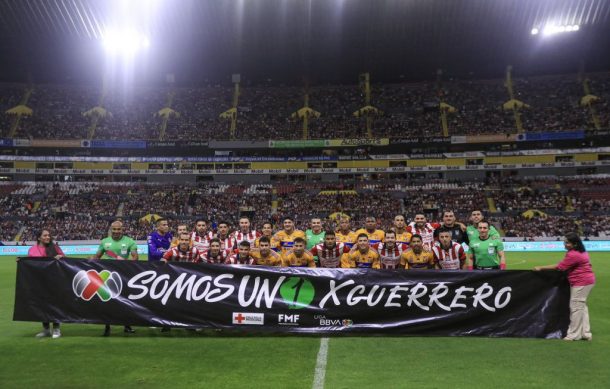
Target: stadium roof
point(323, 40)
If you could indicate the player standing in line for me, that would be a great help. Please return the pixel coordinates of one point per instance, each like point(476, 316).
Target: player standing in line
point(286, 237)
point(390, 251)
point(297, 256)
point(215, 254)
point(363, 257)
point(245, 232)
point(200, 238)
point(417, 257)
point(403, 236)
point(345, 234)
point(183, 252)
point(242, 257)
point(330, 252)
point(472, 230)
point(182, 229)
point(458, 230)
point(315, 234)
point(371, 231)
point(448, 254)
point(159, 241)
point(227, 241)
point(425, 230)
point(266, 231)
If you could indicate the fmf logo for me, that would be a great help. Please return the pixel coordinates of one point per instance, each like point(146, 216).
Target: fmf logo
point(105, 284)
point(248, 318)
point(288, 320)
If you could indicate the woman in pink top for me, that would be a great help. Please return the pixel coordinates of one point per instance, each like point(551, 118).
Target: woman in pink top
point(582, 280)
point(45, 247)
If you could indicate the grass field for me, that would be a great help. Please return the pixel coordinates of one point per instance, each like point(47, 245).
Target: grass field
point(84, 359)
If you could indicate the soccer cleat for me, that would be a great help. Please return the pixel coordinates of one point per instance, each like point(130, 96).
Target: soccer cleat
point(44, 333)
point(106, 330)
point(129, 330)
point(56, 333)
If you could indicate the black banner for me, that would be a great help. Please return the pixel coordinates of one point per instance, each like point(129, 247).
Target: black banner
point(299, 300)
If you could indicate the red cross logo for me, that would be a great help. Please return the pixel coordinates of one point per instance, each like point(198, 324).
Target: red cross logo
point(240, 318)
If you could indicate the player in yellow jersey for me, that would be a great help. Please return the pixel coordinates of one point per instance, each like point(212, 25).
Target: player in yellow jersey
point(400, 228)
point(416, 257)
point(266, 230)
point(370, 229)
point(298, 257)
point(285, 238)
point(263, 255)
point(362, 256)
point(345, 234)
point(182, 229)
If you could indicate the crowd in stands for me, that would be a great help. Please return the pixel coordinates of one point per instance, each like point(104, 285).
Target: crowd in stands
point(541, 207)
point(264, 111)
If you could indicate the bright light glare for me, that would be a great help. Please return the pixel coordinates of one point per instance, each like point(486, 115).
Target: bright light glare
point(125, 42)
point(551, 29)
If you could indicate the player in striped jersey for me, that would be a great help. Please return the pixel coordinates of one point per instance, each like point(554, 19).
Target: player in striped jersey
point(244, 232)
point(390, 251)
point(227, 242)
point(345, 234)
point(263, 255)
point(330, 252)
point(183, 252)
point(363, 256)
point(286, 237)
point(448, 255)
point(400, 228)
point(297, 256)
point(370, 229)
point(417, 257)
point(200, 238)
point(215, 254)
point(242, 257)
point(424, 229)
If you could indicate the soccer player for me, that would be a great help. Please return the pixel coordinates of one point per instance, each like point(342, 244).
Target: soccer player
point(200, 238)
point(159, 241)
point(227, 241)
point(242, 257)
point(183, 252)
point(363, 256)
point(486, 252)
point(298, 257)
point(330, 252)
point(345, 234)
point(244, 232)
point(182, 229)
point(448, 254)
point(390, 251)
point(215, 254)
point(417, 257)
point(263, 255)
point(117, 246)
point(266, 231)
point(425, 230)
point(458, 230)
point(314, 235)
point(287, 236)
point(371, 231)
point(473, 230)
point(402, 235)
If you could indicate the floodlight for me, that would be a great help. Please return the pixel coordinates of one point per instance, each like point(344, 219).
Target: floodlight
point(535, 31)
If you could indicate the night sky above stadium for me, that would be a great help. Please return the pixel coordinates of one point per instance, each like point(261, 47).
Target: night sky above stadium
point(287, 40)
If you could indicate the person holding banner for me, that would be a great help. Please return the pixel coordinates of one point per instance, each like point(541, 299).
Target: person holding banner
point(119, 247)
point(582, 279)
point(45, 247)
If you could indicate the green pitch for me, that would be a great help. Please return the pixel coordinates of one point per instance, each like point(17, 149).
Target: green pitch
point(84, 359)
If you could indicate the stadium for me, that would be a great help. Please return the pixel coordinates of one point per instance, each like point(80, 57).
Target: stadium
point(189, 163)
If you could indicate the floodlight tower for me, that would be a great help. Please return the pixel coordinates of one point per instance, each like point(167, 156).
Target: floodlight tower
point(443, 107)
point(20, 110)
point(589, 100)
point(231, 113)
point(513, 104)
point(305, 112)
point(368, 111)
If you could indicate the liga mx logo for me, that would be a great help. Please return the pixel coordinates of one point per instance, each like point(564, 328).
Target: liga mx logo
point(106, 285)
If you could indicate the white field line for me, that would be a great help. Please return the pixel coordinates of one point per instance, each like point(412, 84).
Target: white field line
point(320, 374)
